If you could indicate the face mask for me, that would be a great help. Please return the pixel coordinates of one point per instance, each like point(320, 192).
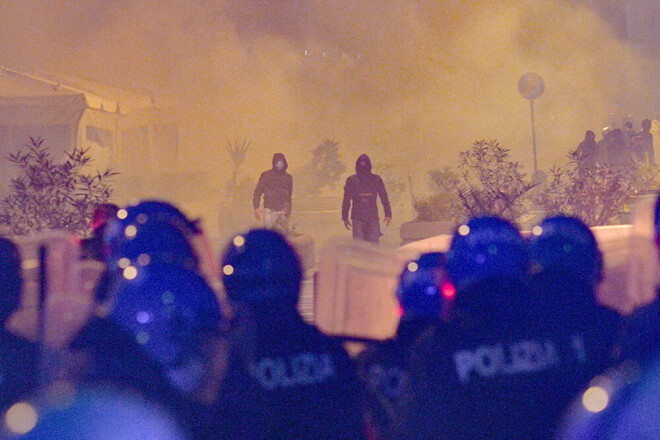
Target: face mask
point(279, 165)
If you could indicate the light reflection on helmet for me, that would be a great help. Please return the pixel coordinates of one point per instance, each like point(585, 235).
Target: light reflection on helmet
point(486, 247)
point(423, 287)
point(168, 310)
point(261, 266)
point(567, 245)
point(152, 229)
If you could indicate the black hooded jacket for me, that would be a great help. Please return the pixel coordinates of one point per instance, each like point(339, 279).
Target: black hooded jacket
point(276, 186)
point(362, 189)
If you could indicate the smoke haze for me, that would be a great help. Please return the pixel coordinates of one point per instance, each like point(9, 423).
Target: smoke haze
point(407, 81)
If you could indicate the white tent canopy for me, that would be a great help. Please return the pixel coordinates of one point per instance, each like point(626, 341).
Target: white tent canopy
point(123, 130)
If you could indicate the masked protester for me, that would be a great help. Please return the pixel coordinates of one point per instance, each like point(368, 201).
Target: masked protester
point(643, 144)
point(494, 370)
point(285, 380)
point(424, 293)
point(276, 187)
point(588, 150)
point(361, 192)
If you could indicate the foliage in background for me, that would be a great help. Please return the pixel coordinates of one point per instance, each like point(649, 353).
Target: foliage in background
point(324, 170)
point(491, 183)
point(595, 195)
point(487, 182)
point(394, 183)
point(53, 195)
point(239, 188)
point(444, 202)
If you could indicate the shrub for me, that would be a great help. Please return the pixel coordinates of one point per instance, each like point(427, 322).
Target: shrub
point(324, 170)
point(53, 195)
point(594, 194)
point(488, 182)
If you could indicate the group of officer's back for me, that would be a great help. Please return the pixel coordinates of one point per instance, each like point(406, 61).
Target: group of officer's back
point(507, 353)
point(168, 354)
point(497, 337)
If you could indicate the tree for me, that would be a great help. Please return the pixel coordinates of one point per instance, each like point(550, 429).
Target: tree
point(53, 195)
point(594, 194)
point(238, 189)
point(444, 202)
point(323, 171)
point(487, 182)
point(491, 183)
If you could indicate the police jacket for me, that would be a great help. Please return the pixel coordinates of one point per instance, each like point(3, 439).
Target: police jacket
point(384, 373)
point(19, 373)
point(276, 186)
point(286, 380)
point(362, 190)
point(568, 303)
point(494, 371)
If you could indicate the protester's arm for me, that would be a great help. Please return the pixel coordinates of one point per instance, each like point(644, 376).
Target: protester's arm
point(382, 193)
point(256, 198)
point(259, 191)
point(289, 194)
point(346, 204)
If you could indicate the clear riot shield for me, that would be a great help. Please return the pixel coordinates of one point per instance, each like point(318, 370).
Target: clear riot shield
point(54, 311)
point(630, 259)
point(355, 289)
point(644, 267)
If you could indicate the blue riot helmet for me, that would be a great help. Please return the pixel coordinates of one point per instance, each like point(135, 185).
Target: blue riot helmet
point(90, 412)
point(486, 248)
point(424, 288)
point(260, 268)
point(10, 279)
point(566, 246)
point(169, 311)
point(150, 231)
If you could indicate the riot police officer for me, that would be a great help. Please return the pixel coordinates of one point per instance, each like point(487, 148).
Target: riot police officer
point(285, 378)
point(159, 332)
point(494, 370)
point(423, 293)
point(566, 269)
point(19, 363)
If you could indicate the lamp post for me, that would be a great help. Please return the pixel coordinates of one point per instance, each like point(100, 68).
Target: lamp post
point(531, 86)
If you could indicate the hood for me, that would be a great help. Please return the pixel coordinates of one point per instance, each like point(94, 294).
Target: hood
point(277, 157)
point(363, 165)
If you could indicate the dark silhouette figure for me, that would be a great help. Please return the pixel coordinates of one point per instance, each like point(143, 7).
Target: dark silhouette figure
point(619, 155)
point(643, 144)
point(604, 147)
point(495, 370)
point(285, 379)
point(276, 187)
point(588, 151)
point(19, 361)
point(629, 133)
point(361, 192)
point(424, 293)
